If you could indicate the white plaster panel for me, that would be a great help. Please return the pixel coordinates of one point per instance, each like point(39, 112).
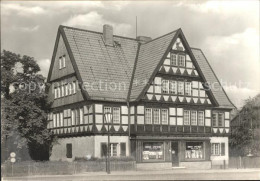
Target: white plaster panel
point(196, 73)
point(124, 119)
point(132, 109)
point(202, 93)
point(140, 109)
point(132, 120)
point(124, 109)
point(85, 109)
point(157, 89)
point(167, 62)
point(187, 57)
point(195, 92)
point(180, 111)
point(90, 119)
point(179, 121)
point(150, 90)
point(90, 110)
point(195, 84)
point(172, 111)
point(200, 85)
point(98, 108)
point(227, 123)
point(99, 118)
point(158, 80)
point(140, 119)
point(207, 113)
point(207, 122)
point(172, 120)
point(227, 115)
point(188, 64)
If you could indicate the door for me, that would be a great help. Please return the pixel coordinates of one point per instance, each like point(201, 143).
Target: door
point(175, 155)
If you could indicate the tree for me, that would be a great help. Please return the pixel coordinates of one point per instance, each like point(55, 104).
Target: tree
point(25, 108)
point(246, 137)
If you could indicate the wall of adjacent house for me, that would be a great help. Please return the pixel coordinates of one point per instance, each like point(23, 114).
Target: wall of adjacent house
point(81, 147)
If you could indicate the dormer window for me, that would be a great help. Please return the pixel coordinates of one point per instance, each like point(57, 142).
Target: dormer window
point(181, 60)
point(62, 62)
point(173, 59)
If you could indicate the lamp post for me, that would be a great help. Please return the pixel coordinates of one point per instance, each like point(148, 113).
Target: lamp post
point(108, 119)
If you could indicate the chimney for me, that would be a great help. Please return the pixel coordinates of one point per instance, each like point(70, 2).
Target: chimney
point(143, 39)
point(108, 35)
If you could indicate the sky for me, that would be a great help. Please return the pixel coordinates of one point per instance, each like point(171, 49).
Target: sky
point(226, 31)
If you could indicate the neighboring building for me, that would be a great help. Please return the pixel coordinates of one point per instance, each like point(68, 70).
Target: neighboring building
point(246, 124)
point(157, 90)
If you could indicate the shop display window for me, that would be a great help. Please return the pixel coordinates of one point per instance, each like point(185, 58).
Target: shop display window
point(194, 150)
point(153, 151)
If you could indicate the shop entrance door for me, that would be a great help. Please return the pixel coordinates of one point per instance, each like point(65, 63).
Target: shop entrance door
point(175, 155)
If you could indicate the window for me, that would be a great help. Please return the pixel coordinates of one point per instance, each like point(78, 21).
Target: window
point(116, 115)
point(181, 88)
point(113, 147)
point(148, 116)
point(74, 88)
point(62, 91)
point(165, 86)
point(55, 93)
point(186, 117)
point(58, 92)
point(66, 90)
point(218, 119)
point(73, 117)
point(173, 87)
point(164, 116)
point(156, 116)
point(61, 119)
point(194, 150)
point(122, 149)
point(58, 119)
point(81, 116)
point(201, 118)
point(60, 63)
point(103, 149)
point(193, 118)
point(181, 60)
point(64, 61)
point(153, 151)
point(218, 149)
point(69, 150)
point(107, 109)
point(54, 120)
point(77, 116)
point(188, 88)
point(70, 88)
point(173, 59)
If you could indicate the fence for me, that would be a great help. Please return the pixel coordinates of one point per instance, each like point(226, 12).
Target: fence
point(244, 162)
point(62, 168)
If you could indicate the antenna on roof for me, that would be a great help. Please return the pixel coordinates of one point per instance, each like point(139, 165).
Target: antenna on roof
point(136, 27)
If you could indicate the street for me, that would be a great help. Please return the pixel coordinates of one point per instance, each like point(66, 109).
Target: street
point(229, 174)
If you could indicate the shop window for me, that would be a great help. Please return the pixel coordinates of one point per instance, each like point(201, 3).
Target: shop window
point(69, 150)
point(122, 149)
point(156, 116)
point(148, 116)
point(186, 117)
point(194, 150)
point(173, 59)
point(164, 116)
point(153, 151)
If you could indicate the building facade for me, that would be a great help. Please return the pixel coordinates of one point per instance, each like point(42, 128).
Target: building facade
point(167, 103)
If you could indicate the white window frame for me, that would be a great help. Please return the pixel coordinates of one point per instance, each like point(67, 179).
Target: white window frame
point(180, 87)
point(173, 87)
point(60, 62)
point(193, 120)
point(216, 149)
point(174, 59)
point(188, 88)
point(215, 122)
point(165, 118)
point(61, 119)
point(201, 118)
point(81, 116)
point(181, 61)
point(66, 90)
point(73, 117)
point(148, 115)
point(64, 61)
point(55, 93)
point(156, 117)
point(165, 86)
point(58, 92)
point(62, 91)
point(74, 87)
point(58, 119)
point(54, 120)
point(70, 88)
point(116, 115)
point(186, 118)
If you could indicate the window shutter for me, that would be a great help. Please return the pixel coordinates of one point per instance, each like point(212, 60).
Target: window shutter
point(222, 149)
point(122, 149)
point(103, 149)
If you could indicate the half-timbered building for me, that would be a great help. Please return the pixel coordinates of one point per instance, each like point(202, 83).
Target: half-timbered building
point(168, 106)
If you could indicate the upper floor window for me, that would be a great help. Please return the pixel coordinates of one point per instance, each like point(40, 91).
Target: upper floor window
point(200, 118)
point(107, 109)
point(116, 115)
point(186, 117)
point(55, 93)
point(66, 90)
point(188, 88)
point(165, 86)
point(62, 62)
point(58, 92)
point(181, 88)
point(62, 91)
point(173, 59)
point(81, 116)
point(156, 116)
point(164, 116)
point(173, 87)
point(181, 60)
point(218, 119)
point(148, 116)
point(61, 119)
point(74, 87)
point(193, 116)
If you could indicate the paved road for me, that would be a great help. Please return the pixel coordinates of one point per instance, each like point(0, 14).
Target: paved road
point(245, 174)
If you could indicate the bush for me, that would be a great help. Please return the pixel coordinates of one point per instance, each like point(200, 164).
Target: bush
point(123, 159)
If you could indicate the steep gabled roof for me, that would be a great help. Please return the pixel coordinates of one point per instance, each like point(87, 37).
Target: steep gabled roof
point(211, 78)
